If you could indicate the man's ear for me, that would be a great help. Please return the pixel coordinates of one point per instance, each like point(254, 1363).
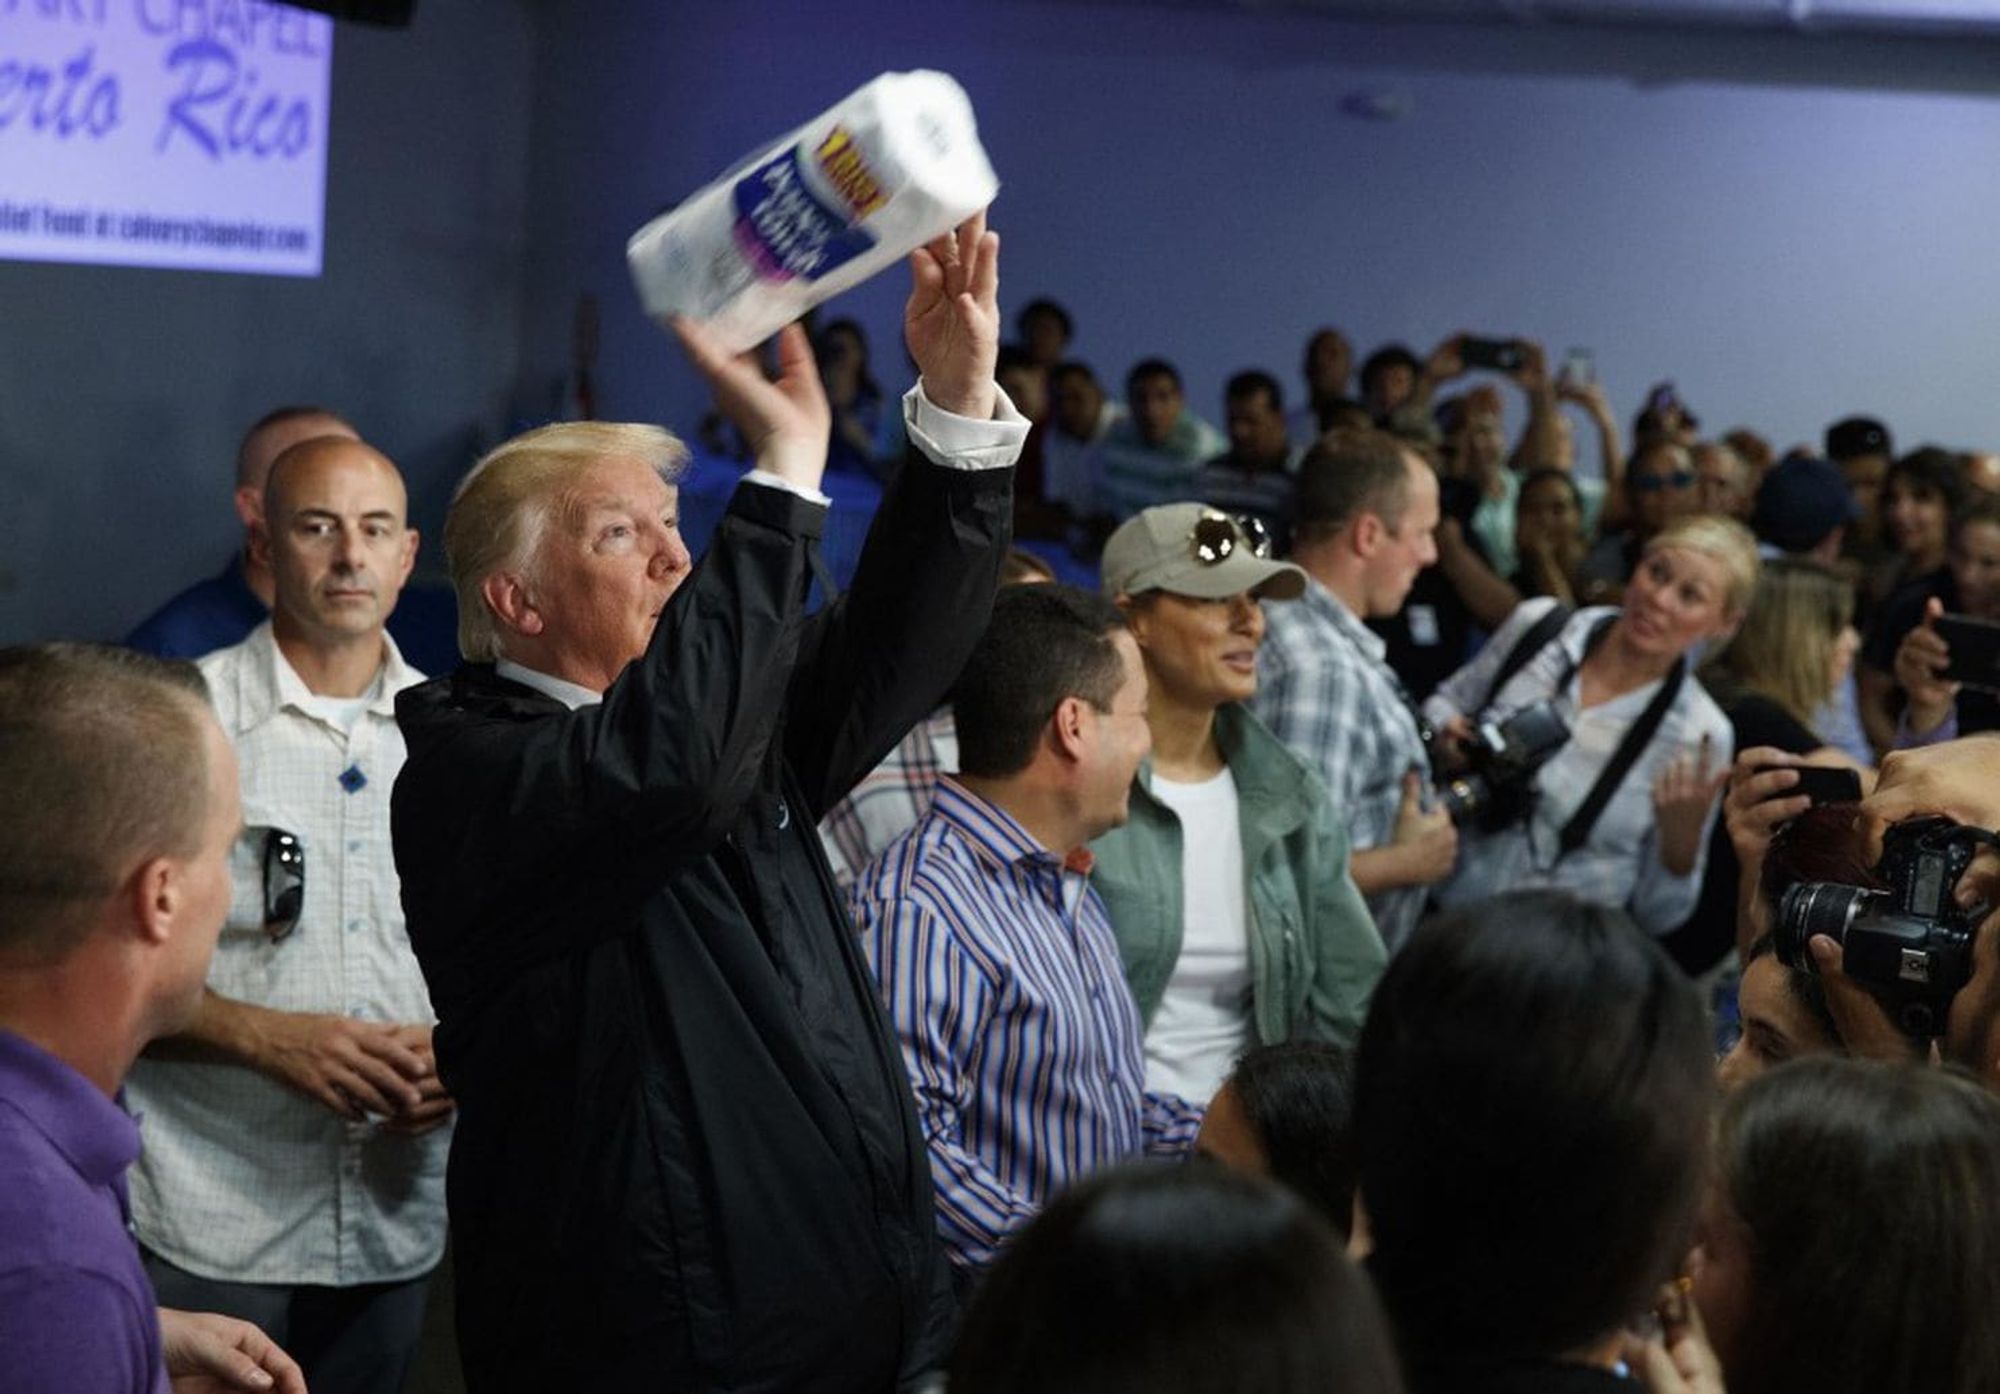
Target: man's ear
point(411, 541)
point(1367, 534)
point(156, 892)
point(260, 541)
point(1068, 728)
point(506, 595)
point(249, 505)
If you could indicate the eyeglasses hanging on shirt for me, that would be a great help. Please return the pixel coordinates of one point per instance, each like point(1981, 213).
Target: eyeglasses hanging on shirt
point(284, 882)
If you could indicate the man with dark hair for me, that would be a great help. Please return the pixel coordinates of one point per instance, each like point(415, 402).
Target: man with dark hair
point(1287, 1111)
point(1366, 513)
point(890, 798)
point(120, 812)
point(1154, 454)
point(1080, 417)
point(1045, 330)
point(1389, 380)
point(222, 610)
point(1863, 449)
point(1535, 1077)
point(1254, 476)
point(1023, 1042)
point(294, 1166)
point(1329, 359)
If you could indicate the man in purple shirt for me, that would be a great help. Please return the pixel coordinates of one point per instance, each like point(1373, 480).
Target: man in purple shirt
point(115, 838)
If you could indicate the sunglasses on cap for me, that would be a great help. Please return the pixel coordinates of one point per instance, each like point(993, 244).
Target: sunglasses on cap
point(1216, 536)
point(1653, 483)
point(284, 882)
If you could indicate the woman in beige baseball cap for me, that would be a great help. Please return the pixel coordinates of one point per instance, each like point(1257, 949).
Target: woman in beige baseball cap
point(1228, 889)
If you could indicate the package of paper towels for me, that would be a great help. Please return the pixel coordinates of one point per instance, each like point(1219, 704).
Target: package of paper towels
point(857, 187)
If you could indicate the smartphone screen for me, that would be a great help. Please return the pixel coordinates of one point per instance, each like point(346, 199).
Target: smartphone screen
point(1501, 355)
point(1975, 650)
point(1821, 784)
point(1579, 367)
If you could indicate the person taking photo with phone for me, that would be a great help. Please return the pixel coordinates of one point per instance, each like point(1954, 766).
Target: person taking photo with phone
point(1936, 706)
point(1795, 648)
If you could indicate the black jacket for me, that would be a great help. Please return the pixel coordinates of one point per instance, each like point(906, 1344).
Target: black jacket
point(687, 1156)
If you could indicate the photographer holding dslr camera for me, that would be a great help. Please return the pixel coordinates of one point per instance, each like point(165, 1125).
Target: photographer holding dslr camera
point(1584, 755)
point(1890, 902)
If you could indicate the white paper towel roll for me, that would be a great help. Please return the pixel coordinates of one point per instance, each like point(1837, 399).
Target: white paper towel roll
point(854, 189)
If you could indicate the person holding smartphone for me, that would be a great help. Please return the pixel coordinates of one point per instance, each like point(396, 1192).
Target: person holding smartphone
point(1796, 647)
point(1937, 708)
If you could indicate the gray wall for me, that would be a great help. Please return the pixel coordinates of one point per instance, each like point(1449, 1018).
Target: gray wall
point(123, 391)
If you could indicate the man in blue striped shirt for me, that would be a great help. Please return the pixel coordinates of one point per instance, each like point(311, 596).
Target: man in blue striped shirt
point(994, 953)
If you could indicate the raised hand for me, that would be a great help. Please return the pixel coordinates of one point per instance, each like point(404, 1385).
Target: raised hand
point(1682, 796)
point(1533, 374)
point(952, 320)
point(1920, 659)
point(786, 422)
point(1447, 360)
point(1591, 396)
point(1758, 802)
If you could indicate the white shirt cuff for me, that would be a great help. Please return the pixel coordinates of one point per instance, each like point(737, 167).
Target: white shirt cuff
point(778, 481)
point(959, 442)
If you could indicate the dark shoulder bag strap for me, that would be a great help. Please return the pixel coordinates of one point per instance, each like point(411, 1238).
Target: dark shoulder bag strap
point(1640, 735)
point(1532, 641)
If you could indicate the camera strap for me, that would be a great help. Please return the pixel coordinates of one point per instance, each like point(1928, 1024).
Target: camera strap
point(1532, 641)
point(1637, 737)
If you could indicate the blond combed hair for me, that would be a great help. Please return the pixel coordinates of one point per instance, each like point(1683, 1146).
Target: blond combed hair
point(1784, 650)
point(1725, 541)
point(506, 502)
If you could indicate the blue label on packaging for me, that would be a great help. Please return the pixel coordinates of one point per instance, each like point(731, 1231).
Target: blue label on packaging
point(783, 228)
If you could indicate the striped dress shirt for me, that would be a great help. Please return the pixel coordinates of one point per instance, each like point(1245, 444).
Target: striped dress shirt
point(1023, 1043)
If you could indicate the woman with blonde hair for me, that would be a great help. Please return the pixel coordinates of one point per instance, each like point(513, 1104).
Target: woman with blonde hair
point(1617, 806)
point(1797, 645)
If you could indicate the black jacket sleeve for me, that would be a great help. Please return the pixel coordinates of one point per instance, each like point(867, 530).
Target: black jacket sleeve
point(881, 657)
point(662, 766)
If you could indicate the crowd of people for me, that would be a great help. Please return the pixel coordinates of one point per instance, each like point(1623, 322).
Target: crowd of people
point(1429, 918)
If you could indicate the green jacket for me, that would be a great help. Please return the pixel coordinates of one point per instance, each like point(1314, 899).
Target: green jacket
point(1314, 951)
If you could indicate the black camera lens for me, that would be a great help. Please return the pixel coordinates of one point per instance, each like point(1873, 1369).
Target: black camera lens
point(1817, 907)
point(1464, 798)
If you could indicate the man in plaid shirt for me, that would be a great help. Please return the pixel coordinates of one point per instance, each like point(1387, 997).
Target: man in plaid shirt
point(1367, 509)
point(293, 1172)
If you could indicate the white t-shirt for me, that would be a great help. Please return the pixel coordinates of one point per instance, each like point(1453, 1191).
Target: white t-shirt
point(338, 712)
point(1203, 1021)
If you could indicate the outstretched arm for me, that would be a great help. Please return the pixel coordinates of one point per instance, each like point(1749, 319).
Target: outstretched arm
point(881, 657)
